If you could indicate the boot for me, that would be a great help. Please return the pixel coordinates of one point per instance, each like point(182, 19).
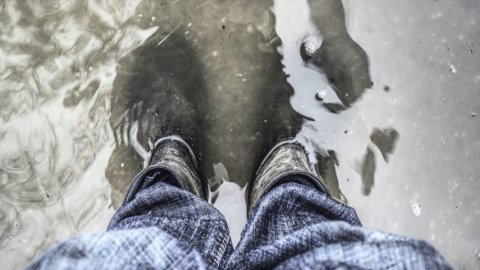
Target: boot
point(174, 155)
point(286, 162)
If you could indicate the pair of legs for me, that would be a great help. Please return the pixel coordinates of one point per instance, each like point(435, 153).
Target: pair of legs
point(293, 222)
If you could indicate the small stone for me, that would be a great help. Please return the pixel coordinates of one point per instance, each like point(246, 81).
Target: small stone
point(416, 208)
point(473, 114)
point(312, 44)
point(122, 165)
point(453, 69)
point(386, 88)
point(348, 132)
point(320, 95)
point(309, 47)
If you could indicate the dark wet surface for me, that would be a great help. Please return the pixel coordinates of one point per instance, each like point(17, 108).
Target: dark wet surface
point(221, 87)
point(87, 87)
point(385, 141)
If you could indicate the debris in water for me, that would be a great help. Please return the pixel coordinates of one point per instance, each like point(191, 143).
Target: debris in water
point(326, 167)
point(309, 47)
point(369, 167)
point(385, 140)
point(416, 208)
point(320, 95)
point(169, 34)
point(453, 69)
point(334, 107)
point(312, 44)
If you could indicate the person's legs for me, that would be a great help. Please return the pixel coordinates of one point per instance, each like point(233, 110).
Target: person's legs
point(286, 209)
point(165, 221)
point(294, 223)
point(179, 213)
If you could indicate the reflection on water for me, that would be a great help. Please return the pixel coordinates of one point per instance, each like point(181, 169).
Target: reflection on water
point(86, 87)
point(230, 102)
point(213, 77)
point(339, 57)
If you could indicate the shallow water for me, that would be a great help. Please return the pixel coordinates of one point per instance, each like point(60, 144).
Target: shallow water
point(87, 86)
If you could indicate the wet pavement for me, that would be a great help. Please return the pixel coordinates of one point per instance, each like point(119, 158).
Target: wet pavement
point(384, 95)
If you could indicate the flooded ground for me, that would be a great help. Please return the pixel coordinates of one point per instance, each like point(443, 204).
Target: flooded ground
point(384, 94)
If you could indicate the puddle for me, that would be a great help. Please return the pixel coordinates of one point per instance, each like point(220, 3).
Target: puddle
point(86, 87)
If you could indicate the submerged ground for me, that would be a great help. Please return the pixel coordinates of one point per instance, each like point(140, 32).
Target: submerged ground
point(384, 94)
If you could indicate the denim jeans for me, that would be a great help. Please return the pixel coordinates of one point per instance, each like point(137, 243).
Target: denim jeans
point(293, 226)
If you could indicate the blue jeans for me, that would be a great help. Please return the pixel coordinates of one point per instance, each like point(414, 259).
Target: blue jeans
point(294, 226)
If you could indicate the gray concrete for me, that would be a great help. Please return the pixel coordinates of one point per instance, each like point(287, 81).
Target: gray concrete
point(87, 86)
